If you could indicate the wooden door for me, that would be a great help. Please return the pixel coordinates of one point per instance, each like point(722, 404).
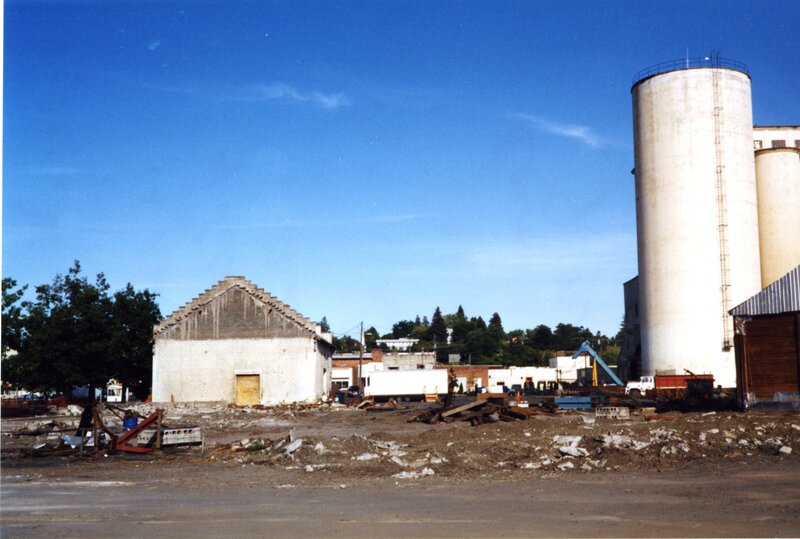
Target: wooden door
point(248, 389)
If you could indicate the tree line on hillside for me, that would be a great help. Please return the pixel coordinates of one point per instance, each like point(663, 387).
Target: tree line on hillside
point(478, 342)
point(76, 333)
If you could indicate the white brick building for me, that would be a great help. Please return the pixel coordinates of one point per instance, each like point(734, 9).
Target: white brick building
point(238, 344)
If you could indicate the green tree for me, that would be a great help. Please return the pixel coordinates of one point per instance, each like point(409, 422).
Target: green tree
point(495, 328)
point(68, 336)
point(540, 337)
point(346, 344)
point(480, 346)
point(75, 335)
point(324, 326)
point(402, 329)
point(478, 323)
point(370, 338)
point(438, 329)
point(13, 318)
point(568, 337)
point(133, 314)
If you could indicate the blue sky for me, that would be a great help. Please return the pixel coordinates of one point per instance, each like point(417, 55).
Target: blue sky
point(360, 160)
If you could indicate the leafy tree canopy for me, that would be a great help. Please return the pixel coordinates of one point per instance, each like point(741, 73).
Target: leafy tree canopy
point(74, 333)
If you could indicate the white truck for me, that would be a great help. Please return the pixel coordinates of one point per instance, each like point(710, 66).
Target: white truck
point(639, 388)
point(411, 383)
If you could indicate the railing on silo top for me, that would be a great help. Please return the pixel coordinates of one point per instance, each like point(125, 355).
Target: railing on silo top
point(712, 60)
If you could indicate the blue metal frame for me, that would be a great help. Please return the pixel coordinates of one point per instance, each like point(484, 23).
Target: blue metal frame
point(586, 347)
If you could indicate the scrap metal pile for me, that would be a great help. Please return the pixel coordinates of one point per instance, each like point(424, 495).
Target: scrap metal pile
point(99, 429)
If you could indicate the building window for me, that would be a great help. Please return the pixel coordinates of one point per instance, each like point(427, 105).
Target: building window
point(797, 143)
point(778, 143)
point(758, 144)
point(420, 366)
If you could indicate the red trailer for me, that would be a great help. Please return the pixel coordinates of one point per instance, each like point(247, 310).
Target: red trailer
point(682, 385)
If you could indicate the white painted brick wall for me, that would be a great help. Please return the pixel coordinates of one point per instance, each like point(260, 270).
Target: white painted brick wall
point(290, 369)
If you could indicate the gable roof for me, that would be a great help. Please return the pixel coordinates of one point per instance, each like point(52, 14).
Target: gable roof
point(223, 286)
point(782, 296)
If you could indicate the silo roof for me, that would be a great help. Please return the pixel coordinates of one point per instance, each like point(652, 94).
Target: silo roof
point(782, 296)
point(711, 61)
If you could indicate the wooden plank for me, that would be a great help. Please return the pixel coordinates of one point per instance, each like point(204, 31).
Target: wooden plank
point(463, 408)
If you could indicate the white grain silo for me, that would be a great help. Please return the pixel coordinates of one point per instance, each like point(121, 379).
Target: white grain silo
point(697, 221)
point(778, 181)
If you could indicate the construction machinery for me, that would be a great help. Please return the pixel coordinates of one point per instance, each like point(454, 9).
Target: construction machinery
point(585, 347)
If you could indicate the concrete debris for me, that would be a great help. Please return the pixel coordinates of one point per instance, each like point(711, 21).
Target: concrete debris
point(573, 451)
point(293, 446)
point(566, 465)
point(400, 462)
point(74, 409)
point(320, 448)
point(414, 475)
point(786, 450)
point(612, 412)
point(367, 456)
point(567, 440)
point(621, 441)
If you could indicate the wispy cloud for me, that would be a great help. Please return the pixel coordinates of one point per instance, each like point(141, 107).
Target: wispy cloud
point(581, 133)
point(154, 44)
point(259, 92)
point(279, 90)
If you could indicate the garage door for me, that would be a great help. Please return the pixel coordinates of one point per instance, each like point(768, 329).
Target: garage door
point(248, 389)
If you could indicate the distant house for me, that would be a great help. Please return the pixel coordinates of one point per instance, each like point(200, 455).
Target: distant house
point(236, 343)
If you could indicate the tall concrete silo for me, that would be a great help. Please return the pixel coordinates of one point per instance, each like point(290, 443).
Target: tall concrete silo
point(778, 181)
point(696, 214)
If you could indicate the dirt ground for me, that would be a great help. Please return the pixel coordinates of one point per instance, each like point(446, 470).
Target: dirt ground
point(339, 471)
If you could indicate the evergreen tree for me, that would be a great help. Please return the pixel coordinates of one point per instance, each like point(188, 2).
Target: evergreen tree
point(495, 328)
point(438, 329)
point(323, 324)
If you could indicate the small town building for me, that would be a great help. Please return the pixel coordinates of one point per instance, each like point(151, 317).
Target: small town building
point(236, 343)
point(767, 341)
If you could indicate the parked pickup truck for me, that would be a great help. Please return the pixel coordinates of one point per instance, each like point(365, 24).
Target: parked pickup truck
point(638, 388)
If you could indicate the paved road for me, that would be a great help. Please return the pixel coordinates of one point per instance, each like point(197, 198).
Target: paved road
point(168, 501)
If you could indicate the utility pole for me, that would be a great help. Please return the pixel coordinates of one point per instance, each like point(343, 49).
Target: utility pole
point(360, 358)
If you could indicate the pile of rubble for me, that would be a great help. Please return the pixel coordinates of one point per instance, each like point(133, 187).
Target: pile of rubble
point(331, 442)
point(479, 412)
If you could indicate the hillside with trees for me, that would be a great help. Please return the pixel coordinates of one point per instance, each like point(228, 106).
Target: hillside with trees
point(478, 342)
